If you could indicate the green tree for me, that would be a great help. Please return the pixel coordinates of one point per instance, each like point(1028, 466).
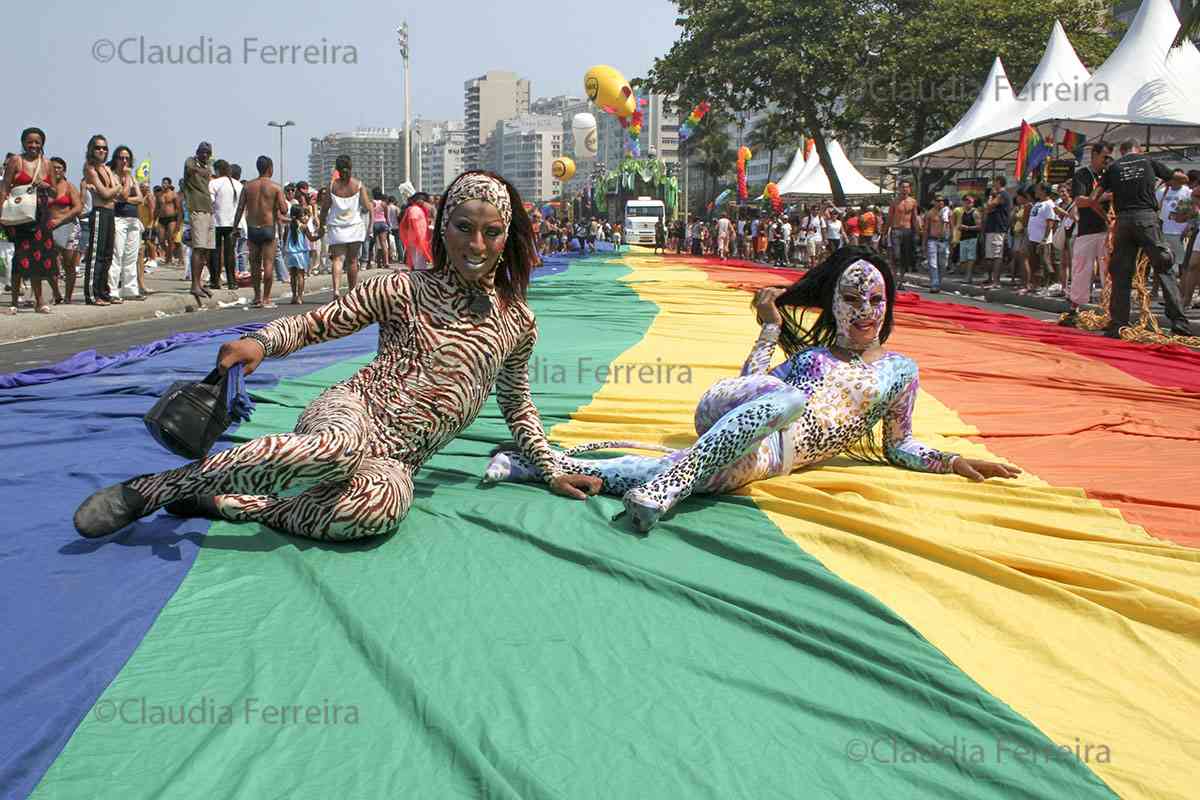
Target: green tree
point(744, 55)
point(898, 73)
point(712, 144)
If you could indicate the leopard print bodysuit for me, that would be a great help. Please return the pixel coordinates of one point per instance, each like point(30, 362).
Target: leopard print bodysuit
point(359, 443)
point(766, 423)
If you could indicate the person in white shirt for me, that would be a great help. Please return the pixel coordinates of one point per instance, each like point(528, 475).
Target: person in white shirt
point(1040, 230)
point(814, 227)
point(225, 192)
point(724, 230)
point(787, 240)
point(1169, 198)
point(833, 230)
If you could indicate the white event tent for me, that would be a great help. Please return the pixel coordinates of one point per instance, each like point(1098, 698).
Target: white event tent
point(811, 180)
point(795, 169)
point(990, 129)
point(1142, 91)
point(1145, 90)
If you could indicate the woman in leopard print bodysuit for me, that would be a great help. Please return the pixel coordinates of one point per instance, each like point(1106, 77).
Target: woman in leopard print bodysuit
point(447, 336)
point(827, 397)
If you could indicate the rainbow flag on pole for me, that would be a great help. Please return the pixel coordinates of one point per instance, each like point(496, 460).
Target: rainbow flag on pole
point(1031, 150)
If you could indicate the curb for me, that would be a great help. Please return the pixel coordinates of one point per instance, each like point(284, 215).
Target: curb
point(1052, 305)
point(77, 316)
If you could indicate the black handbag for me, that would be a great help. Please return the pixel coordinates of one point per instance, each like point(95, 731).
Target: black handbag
point(191, 415)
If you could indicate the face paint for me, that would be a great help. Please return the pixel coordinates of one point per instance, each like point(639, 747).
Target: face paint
point(859, 305)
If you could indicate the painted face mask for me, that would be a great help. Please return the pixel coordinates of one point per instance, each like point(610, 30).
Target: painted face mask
point(859, 322)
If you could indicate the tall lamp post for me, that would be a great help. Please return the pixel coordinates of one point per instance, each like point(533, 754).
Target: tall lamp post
point(281, 126)
point(402, 40)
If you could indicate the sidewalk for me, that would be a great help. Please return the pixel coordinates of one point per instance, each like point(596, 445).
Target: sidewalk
point(954, 285)
point(170, 296)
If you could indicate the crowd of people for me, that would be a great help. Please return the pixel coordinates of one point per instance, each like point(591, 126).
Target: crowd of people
point(555, 235)
point(105, 232)
point(801, 238)
point(1041, 239)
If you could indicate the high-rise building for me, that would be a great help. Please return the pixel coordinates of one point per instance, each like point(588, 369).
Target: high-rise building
point(523, 150)
point(488, 99)
point(441, 156)
point(555, 105)
point(377, 156)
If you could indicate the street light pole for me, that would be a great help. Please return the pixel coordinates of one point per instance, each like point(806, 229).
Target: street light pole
point(281, 126)
point(402, 40)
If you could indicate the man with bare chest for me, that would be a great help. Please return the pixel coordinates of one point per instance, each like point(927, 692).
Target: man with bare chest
point(900, 227)
point(168, 218)
point(264, 206)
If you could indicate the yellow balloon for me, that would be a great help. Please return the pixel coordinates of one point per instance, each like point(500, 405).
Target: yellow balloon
point(563, 169)
point(608, 89)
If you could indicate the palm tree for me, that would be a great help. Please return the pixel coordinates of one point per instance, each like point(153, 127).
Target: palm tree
point(775, 132)
point(716, 156)
point(711, 142)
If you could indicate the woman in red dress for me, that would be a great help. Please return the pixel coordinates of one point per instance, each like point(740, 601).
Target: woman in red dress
point(33, 254)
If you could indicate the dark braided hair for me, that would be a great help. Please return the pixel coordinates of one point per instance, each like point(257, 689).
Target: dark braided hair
point(815, 290)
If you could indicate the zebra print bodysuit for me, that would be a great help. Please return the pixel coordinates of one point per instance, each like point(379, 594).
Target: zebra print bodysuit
point(762, 424)
point(359, 443)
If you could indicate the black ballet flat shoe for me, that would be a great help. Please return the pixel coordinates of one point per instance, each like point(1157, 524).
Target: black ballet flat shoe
point(109, 510)
point(202, 506)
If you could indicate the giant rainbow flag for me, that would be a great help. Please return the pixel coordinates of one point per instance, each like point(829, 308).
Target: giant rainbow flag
point(849, 631)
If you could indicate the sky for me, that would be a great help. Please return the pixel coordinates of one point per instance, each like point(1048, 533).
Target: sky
point(93, 71)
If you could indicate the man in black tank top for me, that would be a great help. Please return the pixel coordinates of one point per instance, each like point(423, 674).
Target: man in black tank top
point(1132, 179)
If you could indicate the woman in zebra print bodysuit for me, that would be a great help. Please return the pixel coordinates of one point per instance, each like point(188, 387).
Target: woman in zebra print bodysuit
point(447, 336)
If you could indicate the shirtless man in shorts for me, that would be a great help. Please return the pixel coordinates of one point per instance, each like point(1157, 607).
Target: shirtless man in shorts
point(264, 206)
point(902, 226)
point(168, 219)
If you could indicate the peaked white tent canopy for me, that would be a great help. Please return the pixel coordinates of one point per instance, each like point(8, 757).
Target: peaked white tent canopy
point(1060, 73)
point(1140, 92)
point(980, 136)
point(799, 165)
point(813, 181)
point(1145, 90)
point(995, 101)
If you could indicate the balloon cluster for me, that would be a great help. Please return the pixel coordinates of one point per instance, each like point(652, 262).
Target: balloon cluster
point(693, 119)
point(742, 157)
point(772, 194)
point(633, 126)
